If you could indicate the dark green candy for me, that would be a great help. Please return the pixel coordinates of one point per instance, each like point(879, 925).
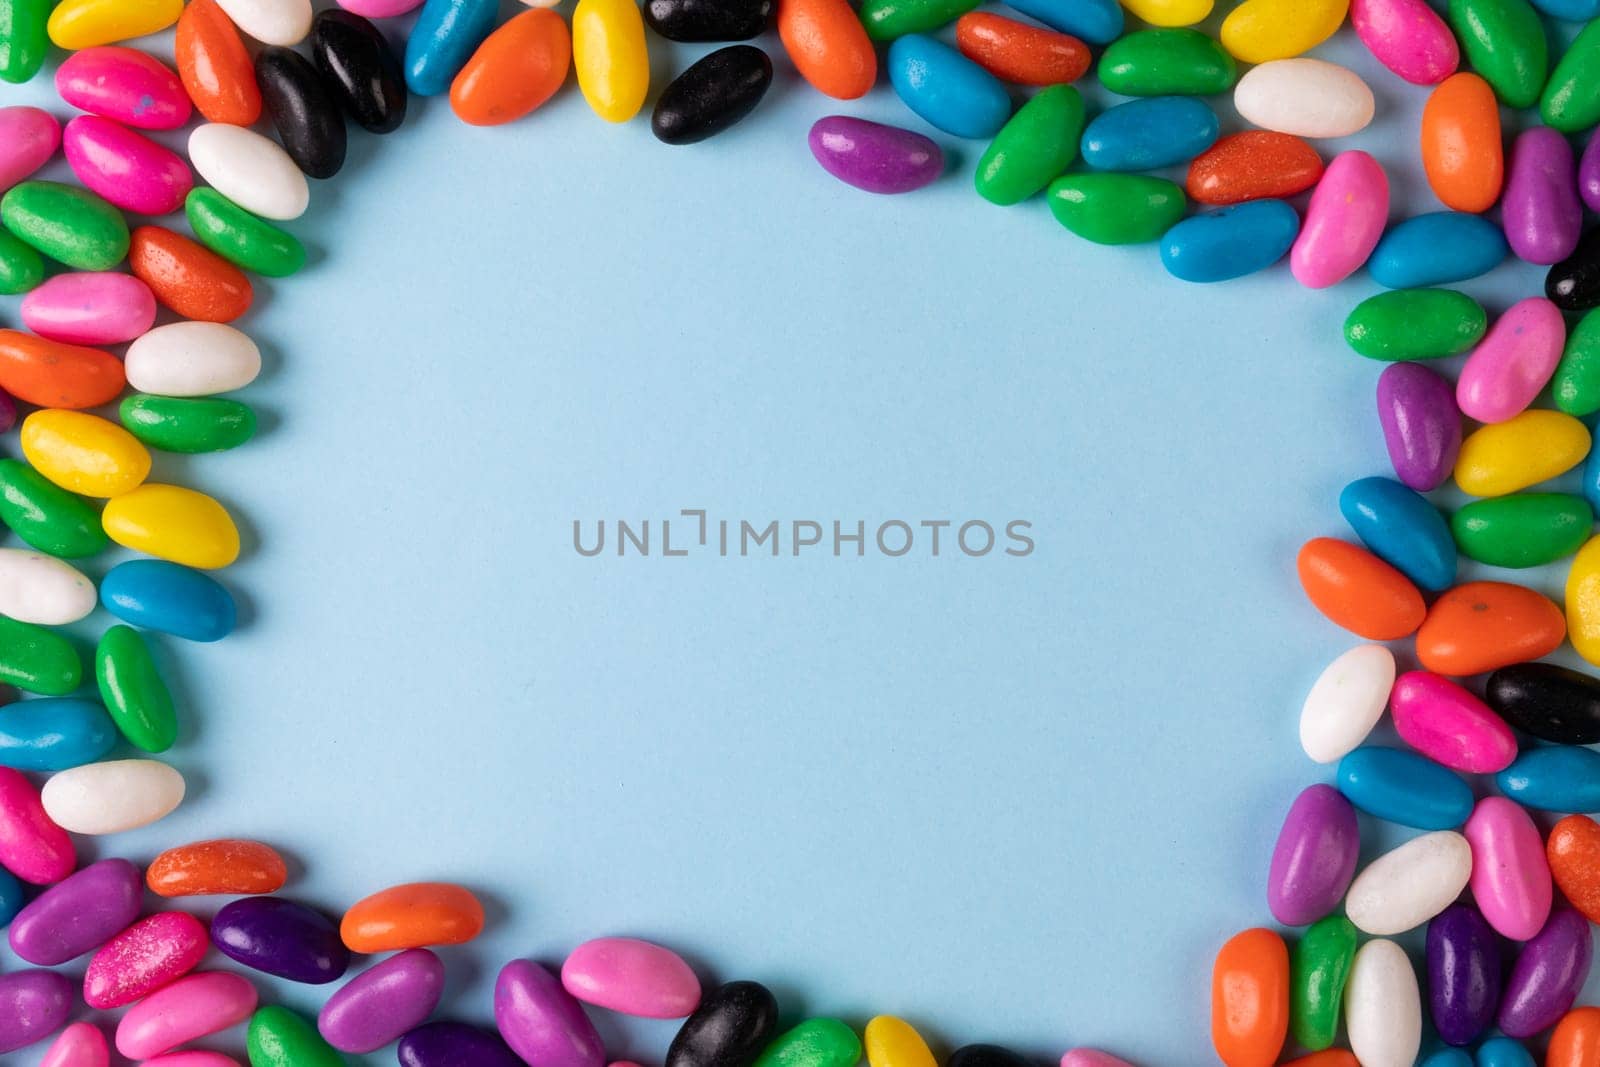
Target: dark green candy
point(239, 237)
point(38, 660)
point(1571, 100)
point(887, 19)
point(21, 268)
point(813, 1043)
point(66, 223)
point(1524, 530)
point(1116, 209)
point(1504, 41)
point(24, 41)
point(1036, 144)
point(132, 690)
point(188, 425)
point(1167, 62)
point(1410, 324)
point(1317, 975)
point(1576, 384)
point(278, 1037)
point(46, 516)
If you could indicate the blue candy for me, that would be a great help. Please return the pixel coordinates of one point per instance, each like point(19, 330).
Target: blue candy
point(163, 596)
point(1590, 487)
point(1399, 525)
point(1504, 1052)
point(1148, 134)
point(946, 88)
point(1437, 249)
point(54, 733)
point(445, 36)
point(1446, 1057)
point(1571, 10)
point(1230, 243)
point(1095, 21)
point(1403, 787)
point(1556, 778)
point(10, 896)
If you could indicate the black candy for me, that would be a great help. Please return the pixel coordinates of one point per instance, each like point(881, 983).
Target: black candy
point(361, 70)
point(302, 109)
point(986, 1056)
point(733, 1023)
point(708, 20)
point(1549, 702)
point(713, 94)
point(1574, 283)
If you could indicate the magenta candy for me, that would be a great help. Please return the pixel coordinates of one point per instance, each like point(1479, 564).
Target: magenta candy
point(1510, 875)
point(93, 308)
point(874, 157)
point(32, 847)
point(153, 952)
point(126, 168)
point(1315, 857)
point(1540, 211)
point(1344, 221)
point(124, 84)
point(1421, 424)
point(541, 1021)
point(79, 913)
point(1589, 173)
point(33, 1005)
point(1088, 1057)
point(188, 1009)
point(1407, 37)
point(1547, 976)
point(1449, 725)
point(632, 977)
point(29, 136)
point(378, 9)
point(191, 1058)
point(1513, 362)
point(79, 1045)
point(381, 1004)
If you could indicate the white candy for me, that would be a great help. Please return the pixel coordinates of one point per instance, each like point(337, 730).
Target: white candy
point(41, 589)
point(108, 798)
point(1346, 702)
point(250, 170)
point(1383, 1007)
point(1305, 97)
point(192, 359)
point(285, 22)
point(1404, 888)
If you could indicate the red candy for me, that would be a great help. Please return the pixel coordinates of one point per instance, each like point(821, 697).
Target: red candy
point(1017, 52)
point(1254, 165)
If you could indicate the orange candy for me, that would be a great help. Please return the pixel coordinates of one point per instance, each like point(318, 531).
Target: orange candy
point(1481, 626)
point(207, 868)
point(214, 66)
point(828, 46)
point(516, 68)
point(412, 916)
point(1254, 165)
point(55, 375)
point(1573, 852)
point(188, 277)
point(1461, 149)
point(1250, 999)
point(1333, 1057)
point(1575, 1042)
point(1359, 591)
point(1017, 52)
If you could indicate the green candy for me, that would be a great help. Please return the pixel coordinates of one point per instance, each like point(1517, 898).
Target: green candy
point(132, 690)
point(66, 223)
point(1317, 974)
point(1116, 209)
point(277, 1037)
point(21, 268)
point(239, 237)
point(813, 1043)
point(188, 425)
point(1415, 324)
point(38, 660)
point(1167, 62)
point(1571, 100)
point(1038, 143)
point(1504, 41)
point(46, 516)
point(887, 19)
point(23, 40)
point(1576, 383)
point(1524, 530)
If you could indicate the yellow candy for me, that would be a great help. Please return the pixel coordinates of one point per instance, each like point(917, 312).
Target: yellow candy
point(1583, 601)
point(1533, 447)
point(609, 53)
point(173, 523)
point(84, 453)
point(892, 1042)
point(1261, 30)
point(1169, 12)
point(76, 24)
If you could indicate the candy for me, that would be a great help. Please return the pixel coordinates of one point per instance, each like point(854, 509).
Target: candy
point(1550, 702)
point(240, 237)
point(303, 111)
point(1573, 852)
point(1575, 1042)
point(1250, 999)
point(1407, 37)
point(948, 90)
point(544, 1024)
point(1545, 980)
point(708, 20)
point(21, 269)
point(1317, 974)
point(78, 914)
point(1403, 787)
point(1253, 165)
point(192, 1058)
point(874, 157)
point(185, 359)
point(1149, 134)
point(1461, 151)
point(715, 92)
point(1421, 424)
point(1504, 40)
point(887, 19)
point(1554, 778)
point(1258, 31)
point(632, 977)
point(224, 866)
point(828, 46)
point(250, 170)
point(1513, 362)
point(1346, 702)
point(46, 516)
point(1407, 886)
point(280, 1038)
point(24, 41)
point(1463, 974)
point(53, 734)
point(11, 896)
point(70, 225)
point(157, 595)
point(1383, 1007)
point(1166, 62)
point(1479, 626)
point(173, 523)
point(93, 308)
point(187, 277)
point(79, 1045)
point(1305, 97)
point(1525, 530)
point(154, 952)
point(412, 916)
point(1164, 13)
point(1116, 209)
point(1575, 386)
point(1098, 22)
point(521, 65)
point(112, 797)
point(42, 589)
point(37, 660)
point(1345, 219)
point(380, 1005)
point(282, 938)
point(361, 69)
point(1571, 98)
point(33, 1005)
point(132, 690)
point(1530, 448)
point(124, 84)
point(1400, 527)
point(32, 847)
point(29, 137)
point(382, 9)
point(1437, 249)
point(177, 424)
point(1314, 858)
point(78, 24)
point(1407, 324)
point(985, 1056)
point(609, 54)
point(445, 1044)
point(1231, 242)
point(888, 1041)
point(214, 67)
point(1036, 144)
point(189, 1008)
point(1541, 212)
point(1574, 283)
point(84, 453)
point(272, 22)
point(1445, 722)
point(1510, 878)
point(815, 1043)
point(1017, 52)
point(1358, 591)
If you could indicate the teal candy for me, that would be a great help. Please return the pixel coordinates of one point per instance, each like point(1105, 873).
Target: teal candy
point(1437, 249)
point(1095, 21)
point(1564, 778)
point(946, 88)
point(1147, 134)
point(1400, 786)
point(445, 36)
point(1230, 243)
point(1400, 527)
point(1446, 1057)
point(1504, 1052)
point(54, 733)
point(10, 896)
point(156, 595)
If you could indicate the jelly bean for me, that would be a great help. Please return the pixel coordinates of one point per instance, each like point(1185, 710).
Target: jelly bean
point(124, 84)
point(381, 9)
point(813, 1043)
point(1479, 626)
point(1116, 209)
point(1098, 22)
point(1250, 999)
point(1149, 134)
point(1556, 778)
point(1036, 144)
point(173, 523)
point(380, 1005)
point(152, 953)
point(279, 1037)
point(714, 93)
point(42, 589)
point(79, 913)
point(1510, 878)
point(1575, 385)
point(1317, 974)
point(1403, 787)
point(1383, 1007)
point(281, 937)
point(1542, 215)
point(1550, 702)
point(1230, 242)
point(1574, 283)
point(112, 797)
point(272, 22)
point(1447, 1057)
point(177, 424)
point(1525, 530)
point(1588, 173)
point(949, 91)
point(1314, 858)
point(79, 1045)
point(1570, 101)
point(157, 595)
point(32, 847)
point(303, 111)
point(1573, 853)
point(1583, 601)
point(1503, 1052)
point(632, 977)
point(29, 137)
point(1463, 974)
point(544, 1024)
point(1442, 720)
point(215, 68)
point(1408, 885)
point(1346, 702)
point(33, 1005)
point(46, 516)
point(521, 65)
point(1305, 97)
point(93, 308)
point(1461, 151)
point(133, 692)
point(187, 277)
point(79, 24)
point(192, 1058)
point(37, 660)
point(70, 225)
point(1545, 980)
point(362, 70)
point(1504, 40)
point(1358, 591)
point(708, 20)
point(1407, 37)
point(1167, 13)
point(53, 734)
point(1166, 62)
point(1253, 165)
point(412, 916)
point(1571, 10)
point(828, 46)
point(1523, 451)
point(1258, 31)
point(985, 1056)
point(250, 170)
point(1343, 223)
point(1513, 363)
point(1408, 324)
point(888, 1041)
point(1017, 52)
point(887, 19)
point(21, 269)
point(84, 453)
point(24, 40)
point(188, 1009)
point(11, 896)
point(445, 1044)
point(1437, 249)
point(187, 359)
point(1576, 1040)
point(610, 56)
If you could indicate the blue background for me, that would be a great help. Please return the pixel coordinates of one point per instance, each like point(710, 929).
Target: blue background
point(1010, 799)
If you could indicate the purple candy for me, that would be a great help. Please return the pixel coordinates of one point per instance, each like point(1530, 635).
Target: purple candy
point(281, 937)
point(1463, 974)
point(33, 1005)
point(1589, 173)
point(1315, 857)
point(875, 157)
point(8, 411)
point(541, 1021)
point(1540, 211)
point(450, 1044)
point(1547, 977)
point(79, 913)
point(1421, 424)
point(377, 1007)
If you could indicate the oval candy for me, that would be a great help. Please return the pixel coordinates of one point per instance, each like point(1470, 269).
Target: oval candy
point(362, 70)
point(90, 308)
point(70, 225)
point(1504, 40)
point(818, 1043)
point(188, 1009)
point(305, 114)
point(1318, 969)
point(225, 866)
point(518, 67)
point(78, 24)
point(133, 692)
point(124, 84)
point(46, 516)
point(1408, 324)
point(545, 1024)
point(272, 22)
point(1513, 362)
point(55, 375)
point(1358, 591)
point(278, 1037)
point(1554, 778)
point(1033, 147)
point(37, 660)
point(609, 54)
point(379, 1005)
point(1463, 956)
point(828, 46)
point(24, 41)
point(1547, 975)
point(1343, 223)
point(1149, 134)
point(1438, 248)
point(1523, 530)
point(1250, 999)
point(1510, 878)
point(215, 69)
point(250, 170)
point(40, 589)
point(78, 914)
point(1314, 858)
point(154, 952)
point(1550, 702)
point(1479, 626)
point(1017, 52)
point(1253, 165)
point(631, 976)
point(173, 523)
point(112, 797)
point(1404, 787)
point(84, 453)
point(1408, 37)
point(188, 359)
point(708, 20)
point(445, 1044)
point(1408, 885)
point(1449, 725)
point(1461, 151)
point(1401, 528)
point(1574, 283)
point(1573, 852)
point(53, 734)
point(240, 237)
point(1346, 702)
point(1230, 242)
point(281, 937)
point(187, 277)
point(1259, 31)
point(1570, 100)
point(1164, 62)
point(33, 1005)
point(874, 157)
point(947, 89)
point(1421, 424)
point(1116, 209)
point(1305, 97)
point(714, 93)
point(1522, 451)
point(413, 915)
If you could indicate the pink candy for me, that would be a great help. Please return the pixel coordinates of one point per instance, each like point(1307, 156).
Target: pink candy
point(379, 9)
point(1449, 725)
point(28, 138)
point(153, 952)
point(126, 168)
point(31, 846)
point(1088, 1057)
point(632, 977)
point(97, 308)
point(79, 1045)
point(1510, 876)
point(192, 1058)
point(1344, 221)
point(1408, 37)
point(1513, 362)
point(187, 1009)
point(124, 84)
